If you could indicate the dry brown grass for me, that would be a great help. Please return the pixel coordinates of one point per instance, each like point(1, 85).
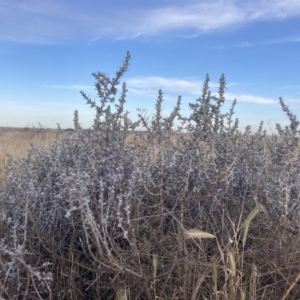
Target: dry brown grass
point(15, 142)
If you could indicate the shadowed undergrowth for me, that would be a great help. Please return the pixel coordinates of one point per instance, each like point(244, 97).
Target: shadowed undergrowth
point(212, 214)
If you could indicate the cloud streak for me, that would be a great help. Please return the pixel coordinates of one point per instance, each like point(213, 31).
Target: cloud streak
point(54, 22)
point(250, 98)
point(289, 39)
point(148, 86)
point(70, 87)
point(172, 87)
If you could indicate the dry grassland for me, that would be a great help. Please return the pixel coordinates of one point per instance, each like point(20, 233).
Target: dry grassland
point(15, 142)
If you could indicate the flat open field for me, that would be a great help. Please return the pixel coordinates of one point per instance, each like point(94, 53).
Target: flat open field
point(16, 142)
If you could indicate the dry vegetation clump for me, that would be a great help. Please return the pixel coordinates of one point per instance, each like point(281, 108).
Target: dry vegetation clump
point(97, 217)
point(15, 142)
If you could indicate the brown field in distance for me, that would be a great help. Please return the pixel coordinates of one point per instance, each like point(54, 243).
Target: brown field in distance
point(15, 142)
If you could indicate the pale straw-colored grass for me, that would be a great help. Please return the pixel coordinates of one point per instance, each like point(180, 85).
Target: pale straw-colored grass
point(15, 142)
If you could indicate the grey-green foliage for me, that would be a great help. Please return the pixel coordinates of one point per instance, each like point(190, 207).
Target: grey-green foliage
point(76, 120)
point(83, 219)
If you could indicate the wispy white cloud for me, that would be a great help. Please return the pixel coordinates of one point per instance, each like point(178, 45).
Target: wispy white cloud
point(47, 22)
point(70, 87)
point(60, 21)
point(148, 86)
point(284, 40)
point(172, 87)
point(273, 9)
point(295, 102)
point(245, 45)
point(250, 98)
point(290, 87)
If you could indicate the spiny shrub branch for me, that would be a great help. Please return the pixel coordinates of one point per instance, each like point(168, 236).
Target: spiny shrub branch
point(76, 120)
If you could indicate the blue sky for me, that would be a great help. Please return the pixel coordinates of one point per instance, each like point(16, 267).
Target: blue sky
point(48, 50)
